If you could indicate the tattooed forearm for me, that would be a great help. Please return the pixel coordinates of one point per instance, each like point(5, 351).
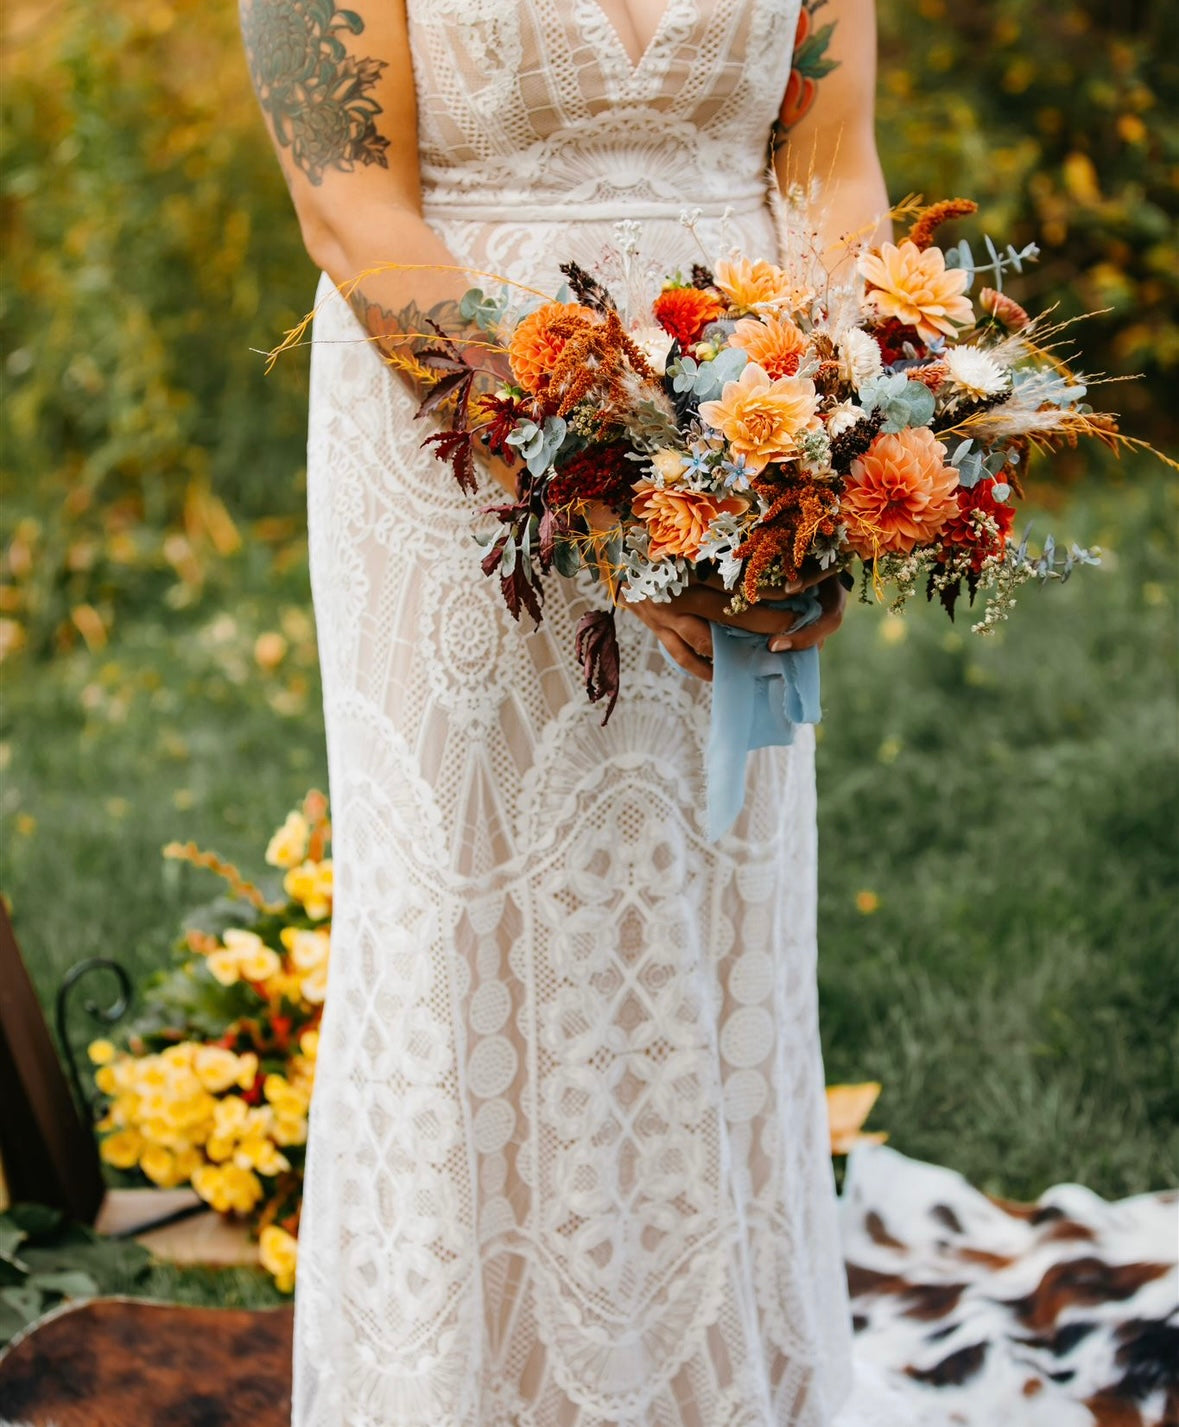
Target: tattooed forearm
point(315, 94)
point(400, 335)
point(809, 65)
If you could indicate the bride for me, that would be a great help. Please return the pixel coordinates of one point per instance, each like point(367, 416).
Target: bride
point(568, 1163)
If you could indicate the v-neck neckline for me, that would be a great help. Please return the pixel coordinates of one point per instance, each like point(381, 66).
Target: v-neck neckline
point(634, 66)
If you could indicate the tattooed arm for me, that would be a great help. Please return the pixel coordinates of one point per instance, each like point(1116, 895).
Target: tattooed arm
point(336, 88)
point(826, 126)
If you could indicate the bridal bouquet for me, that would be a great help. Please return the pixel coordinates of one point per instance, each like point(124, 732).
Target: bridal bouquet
point(755, 423)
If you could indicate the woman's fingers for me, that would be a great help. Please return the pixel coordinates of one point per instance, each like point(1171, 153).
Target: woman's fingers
point(833, 598)
point(709, 604)
point(695, 632)
point(684, 655)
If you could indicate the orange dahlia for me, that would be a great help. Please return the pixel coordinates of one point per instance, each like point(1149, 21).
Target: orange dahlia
point(900, 493)
point(774, 343)
point(760, 418)
point(686, 311)
point(753, 286)
point(677, 519)
point(534, 348)
point(914, 285)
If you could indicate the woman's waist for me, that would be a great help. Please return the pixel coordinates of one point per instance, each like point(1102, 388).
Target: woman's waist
point(538, 207)
point(652, 175)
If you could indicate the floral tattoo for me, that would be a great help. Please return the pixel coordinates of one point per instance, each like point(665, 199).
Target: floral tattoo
point(316, 95)
point(809, 65)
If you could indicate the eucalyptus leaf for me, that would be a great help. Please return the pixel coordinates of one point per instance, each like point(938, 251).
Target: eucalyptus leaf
point(711, 376)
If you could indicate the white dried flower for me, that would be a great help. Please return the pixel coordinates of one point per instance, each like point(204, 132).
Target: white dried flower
point(859, 357)
point(974, 372)
point(842, 418)
point(655, 344)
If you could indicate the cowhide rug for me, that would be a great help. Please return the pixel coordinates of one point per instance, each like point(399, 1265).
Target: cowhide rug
point(969, 1311)
point(988, 1313)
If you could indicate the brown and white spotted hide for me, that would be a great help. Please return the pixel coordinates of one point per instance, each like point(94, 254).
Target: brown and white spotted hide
point(1062, 1313)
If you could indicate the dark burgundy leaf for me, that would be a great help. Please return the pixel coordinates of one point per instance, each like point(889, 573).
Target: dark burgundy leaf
point(521, 590)
point(548, 540)
point(597, 652)
point(455, 448)
point(491, 560)
point(443, 388)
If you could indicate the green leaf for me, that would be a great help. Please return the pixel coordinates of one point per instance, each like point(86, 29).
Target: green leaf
point(11, 1237)
point(351, 19)
point(35, 1219)
point(28, 1302)
point(11, 1323)
point(70, 1283)
point(13, 1272)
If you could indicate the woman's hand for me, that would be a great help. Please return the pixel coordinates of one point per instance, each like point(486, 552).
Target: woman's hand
point(683, 623)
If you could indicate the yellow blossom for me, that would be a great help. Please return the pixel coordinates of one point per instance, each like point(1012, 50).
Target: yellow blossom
point(288, 846)
point(286, 1098)
point(101, 1052)
point(244, 956)
point(278, 1252)
point(217, 1068)
point(159, 1165)
point(309, 1044)
point(229, 1188)
point(311, 884)
point(289, 1130)
point(285, 983)
point(261, 1154)
point(230, 1114)
point(122, 1149)
point(220, 1147)
point(106, 1080)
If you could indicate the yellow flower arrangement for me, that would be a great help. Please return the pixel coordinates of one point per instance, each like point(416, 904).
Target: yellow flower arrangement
point(220, 1101)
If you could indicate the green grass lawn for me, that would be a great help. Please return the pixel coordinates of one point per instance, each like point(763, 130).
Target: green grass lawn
point(1011, 803)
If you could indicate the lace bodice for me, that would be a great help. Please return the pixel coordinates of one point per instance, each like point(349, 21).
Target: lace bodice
point(537, 106)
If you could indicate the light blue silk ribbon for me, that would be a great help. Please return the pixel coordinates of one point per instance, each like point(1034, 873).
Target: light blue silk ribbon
point(757, 699)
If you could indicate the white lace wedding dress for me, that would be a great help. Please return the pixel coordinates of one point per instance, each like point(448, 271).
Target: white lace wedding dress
point(569, 1160)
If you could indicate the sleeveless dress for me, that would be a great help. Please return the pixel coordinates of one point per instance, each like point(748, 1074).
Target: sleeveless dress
point(568, 1161)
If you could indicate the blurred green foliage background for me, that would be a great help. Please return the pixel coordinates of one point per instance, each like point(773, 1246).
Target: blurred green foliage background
point(997, 818)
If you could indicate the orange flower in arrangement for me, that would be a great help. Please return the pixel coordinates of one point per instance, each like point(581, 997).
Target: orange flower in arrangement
point(1003, 309)
point(686, 311)
point(774, 343)
point(760, 417)
point(677, 519)
point(752, 286)
point(915, 286)
point(900, 493)
point(534, 348)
